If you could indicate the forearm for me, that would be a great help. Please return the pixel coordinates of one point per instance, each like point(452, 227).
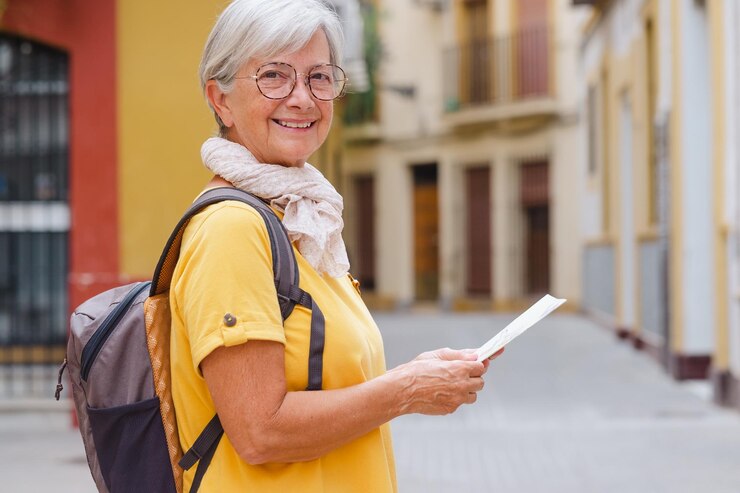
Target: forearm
point(309, 424)
point(265, 423)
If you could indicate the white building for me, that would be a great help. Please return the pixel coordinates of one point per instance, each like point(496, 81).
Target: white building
point(462, 189)
point(659, 168)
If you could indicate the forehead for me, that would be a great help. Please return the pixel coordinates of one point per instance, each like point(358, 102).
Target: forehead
point(313, 53)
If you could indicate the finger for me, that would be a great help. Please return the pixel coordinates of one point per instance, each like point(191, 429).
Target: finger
point(497, 354)
point(471, 354)
point(475, 368)
point(476, 384)
point(472, 397)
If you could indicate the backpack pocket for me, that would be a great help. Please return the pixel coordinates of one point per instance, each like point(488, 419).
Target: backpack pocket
point(128, 440)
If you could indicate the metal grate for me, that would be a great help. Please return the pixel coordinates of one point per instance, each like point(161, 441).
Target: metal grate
point(34, 212)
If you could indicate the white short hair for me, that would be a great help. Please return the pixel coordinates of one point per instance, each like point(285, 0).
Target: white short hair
point(264, 28)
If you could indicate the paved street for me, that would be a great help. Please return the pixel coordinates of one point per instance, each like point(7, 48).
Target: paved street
point(567, 408)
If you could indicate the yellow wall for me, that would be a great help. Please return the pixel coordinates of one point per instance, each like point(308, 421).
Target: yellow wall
point(721, 359)
point(162, 121)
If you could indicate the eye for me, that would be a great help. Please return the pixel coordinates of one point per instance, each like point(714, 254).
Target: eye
point(322, 77)
point(274, 75)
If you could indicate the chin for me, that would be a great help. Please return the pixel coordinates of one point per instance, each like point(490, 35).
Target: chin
point(292, 163)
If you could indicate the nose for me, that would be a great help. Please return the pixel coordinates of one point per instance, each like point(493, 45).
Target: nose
point(301, 96)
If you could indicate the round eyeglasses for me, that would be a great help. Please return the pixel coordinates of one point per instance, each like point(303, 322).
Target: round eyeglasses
point(277, 80)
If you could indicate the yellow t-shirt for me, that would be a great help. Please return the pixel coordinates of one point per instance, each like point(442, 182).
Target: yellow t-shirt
point(225, 266)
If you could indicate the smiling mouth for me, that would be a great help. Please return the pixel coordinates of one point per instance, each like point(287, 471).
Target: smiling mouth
point(294, 124)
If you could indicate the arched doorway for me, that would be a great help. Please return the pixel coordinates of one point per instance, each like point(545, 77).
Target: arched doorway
point(34, 210)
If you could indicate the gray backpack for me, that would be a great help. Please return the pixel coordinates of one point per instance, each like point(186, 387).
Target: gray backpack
point(119, 365)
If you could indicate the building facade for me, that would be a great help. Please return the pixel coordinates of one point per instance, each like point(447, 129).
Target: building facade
point(101, 124)
point(459, 186)
point(659, 169)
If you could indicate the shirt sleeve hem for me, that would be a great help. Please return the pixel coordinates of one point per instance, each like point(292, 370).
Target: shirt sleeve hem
point(233, 336)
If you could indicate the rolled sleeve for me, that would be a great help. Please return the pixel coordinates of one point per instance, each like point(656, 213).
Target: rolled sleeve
point(225, 287)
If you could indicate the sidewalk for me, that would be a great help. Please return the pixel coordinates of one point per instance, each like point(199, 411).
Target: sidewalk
point(567, 408)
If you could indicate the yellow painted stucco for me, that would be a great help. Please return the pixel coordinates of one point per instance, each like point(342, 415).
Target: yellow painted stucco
point(648, 66)
point(676, 199)
point(621, 89)
point(162, 121)
point(721, 357)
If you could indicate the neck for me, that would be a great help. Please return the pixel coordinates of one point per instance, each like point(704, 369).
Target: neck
point(216, 182)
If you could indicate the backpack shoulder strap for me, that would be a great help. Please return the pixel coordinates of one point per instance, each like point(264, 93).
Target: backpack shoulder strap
point(285, 272)
point(284, 266)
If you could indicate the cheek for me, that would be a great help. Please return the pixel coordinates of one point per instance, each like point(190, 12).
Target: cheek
point(327, 115)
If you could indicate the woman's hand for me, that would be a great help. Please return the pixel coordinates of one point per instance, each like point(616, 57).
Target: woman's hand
point(440, 381)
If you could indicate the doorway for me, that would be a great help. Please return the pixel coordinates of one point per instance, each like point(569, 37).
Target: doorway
point(34, 208)
point(535, 204)
point(365, 203)
point(426, 232)
point(478, 205)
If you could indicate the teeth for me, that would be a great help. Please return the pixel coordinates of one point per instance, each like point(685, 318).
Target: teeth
point(295, 125)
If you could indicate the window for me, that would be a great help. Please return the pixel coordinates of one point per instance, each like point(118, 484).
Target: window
point(593, 123)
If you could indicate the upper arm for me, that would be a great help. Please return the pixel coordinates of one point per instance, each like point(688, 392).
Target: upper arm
point(247, 385)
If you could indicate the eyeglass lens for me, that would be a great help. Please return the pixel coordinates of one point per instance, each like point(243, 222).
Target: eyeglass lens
point(276, 81)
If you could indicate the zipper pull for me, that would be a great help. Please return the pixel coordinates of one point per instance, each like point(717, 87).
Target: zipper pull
point(60, 387)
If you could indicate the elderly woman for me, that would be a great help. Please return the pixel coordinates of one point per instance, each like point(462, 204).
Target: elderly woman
point(270, 75)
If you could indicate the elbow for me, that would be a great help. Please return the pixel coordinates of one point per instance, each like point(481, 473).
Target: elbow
point(254, 457)
point(256, 450)
point(265, 447)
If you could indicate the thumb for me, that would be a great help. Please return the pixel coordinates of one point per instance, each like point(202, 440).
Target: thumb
point(470, 354)
point(456, 354)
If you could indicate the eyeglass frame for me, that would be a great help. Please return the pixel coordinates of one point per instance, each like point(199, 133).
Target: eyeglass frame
point(306, 80)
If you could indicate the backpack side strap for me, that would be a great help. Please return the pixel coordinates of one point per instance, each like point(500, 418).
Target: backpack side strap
point(202, 451)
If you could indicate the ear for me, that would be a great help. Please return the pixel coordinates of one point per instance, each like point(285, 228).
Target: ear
point(217, 98)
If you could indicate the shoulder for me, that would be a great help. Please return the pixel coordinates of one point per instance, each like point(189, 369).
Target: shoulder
point(228, 219)
point(226, 228)
point(227, 213)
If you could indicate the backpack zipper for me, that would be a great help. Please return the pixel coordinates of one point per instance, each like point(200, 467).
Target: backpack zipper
point(60, 387)
point(95, 344)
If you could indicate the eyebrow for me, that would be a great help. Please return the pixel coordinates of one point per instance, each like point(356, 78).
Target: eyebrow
point(290, 64)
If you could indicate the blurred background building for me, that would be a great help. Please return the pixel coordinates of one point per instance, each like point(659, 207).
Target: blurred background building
point(466, 154)
point(101, 123)
point(490, 151)
point(659, 182)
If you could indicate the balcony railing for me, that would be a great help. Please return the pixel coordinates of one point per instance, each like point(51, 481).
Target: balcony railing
point(504, 69)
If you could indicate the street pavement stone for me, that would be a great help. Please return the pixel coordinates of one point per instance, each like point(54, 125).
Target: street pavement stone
point(567, 408)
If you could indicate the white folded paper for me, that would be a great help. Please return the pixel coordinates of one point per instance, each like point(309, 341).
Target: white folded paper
point(534, 314)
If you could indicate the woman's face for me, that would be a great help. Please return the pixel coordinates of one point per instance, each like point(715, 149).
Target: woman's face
point(267, 127)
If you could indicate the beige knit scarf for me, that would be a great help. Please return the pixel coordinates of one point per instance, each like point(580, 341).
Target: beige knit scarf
point(312, 207)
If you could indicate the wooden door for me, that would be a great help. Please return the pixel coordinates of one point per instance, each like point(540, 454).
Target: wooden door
point(478, 194)
point(534, 194)
point(538, 249)
point(426, 232)
point(364, 266)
